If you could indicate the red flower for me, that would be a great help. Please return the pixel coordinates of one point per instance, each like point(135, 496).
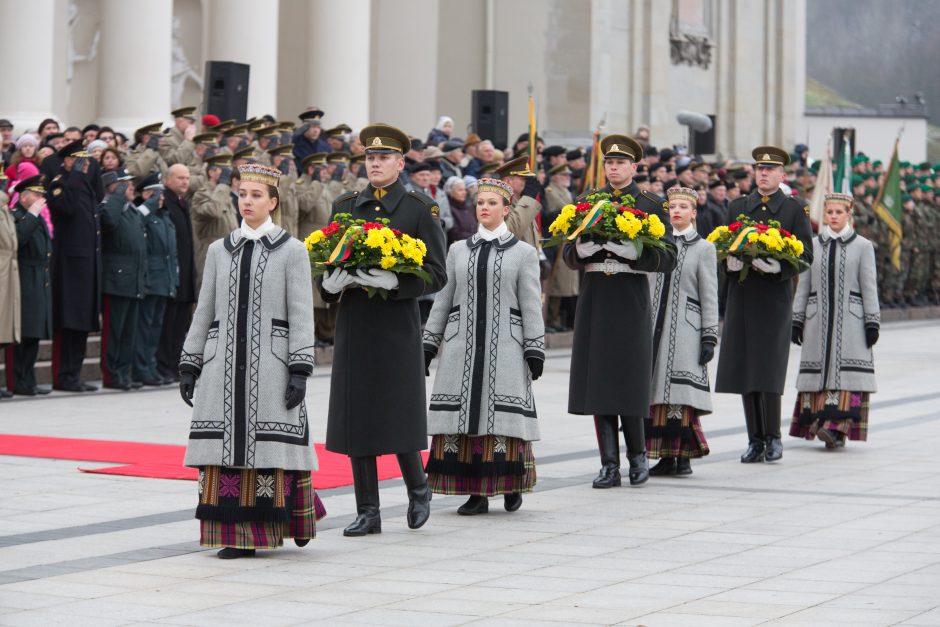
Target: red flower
point(785, 233)
point(331, 229)
point(396, 232)
point(368, 226)
point(734, 226)
point(581, 207)
point(638, 213)
point(761, 227)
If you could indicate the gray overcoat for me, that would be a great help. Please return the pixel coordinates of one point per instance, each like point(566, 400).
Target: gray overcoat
point(489, 319)
point(684, 316)
point(252, 328)
point(835, 301)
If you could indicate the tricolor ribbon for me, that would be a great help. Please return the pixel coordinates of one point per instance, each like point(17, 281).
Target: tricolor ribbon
point(741, 240)
point(595, 215)
point(344, 247)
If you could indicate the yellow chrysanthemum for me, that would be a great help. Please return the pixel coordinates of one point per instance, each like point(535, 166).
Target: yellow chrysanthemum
point(795, 246)
point(656, 226)
point(629, 224)
point(374, 238)
point(752, 237)
point(387, 262)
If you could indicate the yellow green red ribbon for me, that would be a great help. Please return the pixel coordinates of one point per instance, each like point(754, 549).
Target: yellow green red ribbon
point(595, 215)
point(741, 240)
point(344, 247)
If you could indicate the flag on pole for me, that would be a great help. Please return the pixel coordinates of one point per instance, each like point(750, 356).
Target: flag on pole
point(842, 179)
point(823, 186)
point(533, 149)
point(594, 177)
point(888, 206)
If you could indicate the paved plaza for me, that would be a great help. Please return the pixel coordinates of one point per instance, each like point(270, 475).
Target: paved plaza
point(822, 537)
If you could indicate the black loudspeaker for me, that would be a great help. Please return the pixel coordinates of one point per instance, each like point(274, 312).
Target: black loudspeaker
point(491, 116)
point(225, 91)
point(703, 143)
point(839, 137)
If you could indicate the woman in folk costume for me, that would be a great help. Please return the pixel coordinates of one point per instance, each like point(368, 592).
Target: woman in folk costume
point(685, 332)
point(488, 318)
point(250, 346)
point(836, 318)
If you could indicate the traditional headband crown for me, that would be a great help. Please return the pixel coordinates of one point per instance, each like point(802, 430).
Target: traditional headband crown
point(845, 199)
point(257, 173)
point(682, 192)
point(495, 185)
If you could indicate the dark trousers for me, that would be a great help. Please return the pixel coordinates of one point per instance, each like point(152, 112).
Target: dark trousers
point(21, 364)
point(324, 323)
point(68, 353)
point(149, 325)
point(117, 335)
point(176, 319)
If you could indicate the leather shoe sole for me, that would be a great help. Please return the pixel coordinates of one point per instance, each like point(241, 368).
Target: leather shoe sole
point(512, 502)
point(229, 553)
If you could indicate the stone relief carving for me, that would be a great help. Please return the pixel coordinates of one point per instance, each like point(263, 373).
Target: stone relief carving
point(690, 50)
point(73, 55)
point(181, 69)
point(690, 33)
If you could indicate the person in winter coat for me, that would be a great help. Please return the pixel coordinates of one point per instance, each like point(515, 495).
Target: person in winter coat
point(685, 332)
point(488, 321)
point(441, 131)
point(836, 318)
point(462, 213)
point(251, 348)
point(9, 283)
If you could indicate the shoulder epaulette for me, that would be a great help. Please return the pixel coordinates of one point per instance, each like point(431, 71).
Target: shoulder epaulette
point(427, 201)
point(346, 196)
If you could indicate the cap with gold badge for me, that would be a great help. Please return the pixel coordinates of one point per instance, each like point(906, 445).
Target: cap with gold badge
point(148, 129)
point(382, 138)
point(317, 158)
point(337, 131)
point(770, 156)
point(222, 160)
point(338, 157)
point(621, 147)
point(208, 139)
point(285, 151)
point(248, 152)
point(185, 112)
point(223, 126)
point(560, 169)
point(516, 167)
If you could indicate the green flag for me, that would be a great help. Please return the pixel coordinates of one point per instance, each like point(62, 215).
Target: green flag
point(888, 206)
point(842, 177)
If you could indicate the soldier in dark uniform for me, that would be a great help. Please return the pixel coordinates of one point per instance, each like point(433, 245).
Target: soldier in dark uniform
point(307, 139)
point(124, 263)
point(35, 257)
point(378, 342)
point(755, 344)
point(76, 266)
point(612, 353)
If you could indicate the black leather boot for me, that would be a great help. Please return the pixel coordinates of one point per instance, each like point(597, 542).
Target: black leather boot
point(755, 429)
point(474, 505)
point(770, 414)
point(231, 553)
point(636, 449)
point(366, 484)
point(664, 467)
point(512, 501)
point(609, 445)
point(683, 466)
point(419, 494)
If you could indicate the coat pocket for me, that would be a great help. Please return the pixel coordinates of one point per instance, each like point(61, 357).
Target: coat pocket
point(515, 325)
point(280, 336)
point(812, 305)
point(693, 313)
point(212, 343)
point(856, 307)
point(453, 323)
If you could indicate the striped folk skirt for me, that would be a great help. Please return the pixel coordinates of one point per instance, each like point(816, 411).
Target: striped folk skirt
point(840, 411)
point(249, 508)
point(674, 431)
point(485, 465)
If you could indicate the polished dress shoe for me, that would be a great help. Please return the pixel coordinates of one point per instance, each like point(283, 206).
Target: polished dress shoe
point(512, 501)
point(773, 449)
point(639, 468)
point(419, 506)
point(229, 553)
point(124, 387)
point(301, 542)
point(683, 466)
point(754, 453)
point(608, 477)
point(367, 522)
point(475, 505)
point(664, 467)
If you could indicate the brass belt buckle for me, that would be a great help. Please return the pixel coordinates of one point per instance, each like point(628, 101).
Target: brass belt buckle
point(610, 267)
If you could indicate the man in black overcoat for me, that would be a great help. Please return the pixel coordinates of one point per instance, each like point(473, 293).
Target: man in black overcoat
point(76, 265)
point(378, 403)
point(612, 352)
point(755, 343)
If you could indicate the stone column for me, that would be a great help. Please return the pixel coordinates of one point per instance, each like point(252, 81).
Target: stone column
point(27, 96)
point(134, 75)
point(246, 31)
point(339, 52)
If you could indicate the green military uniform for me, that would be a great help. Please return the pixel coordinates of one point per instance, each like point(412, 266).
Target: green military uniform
point(563, 281)
point(213, 211)
point(314, 201)
point(918, 276)
point(142, 159)
point(525, 208)
point(124, 262)
point(931, 288)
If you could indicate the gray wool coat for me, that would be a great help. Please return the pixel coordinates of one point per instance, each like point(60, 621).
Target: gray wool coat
point(835, 301)
point(488, 318)
point(684, 316)
point(252, 328)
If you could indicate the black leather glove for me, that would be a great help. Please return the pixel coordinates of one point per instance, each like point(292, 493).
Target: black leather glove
point(706, 353)
point(533, 188)
point(296, 390)
point(535, 366)
point(871, 336)
point(225, 177)
point(187, 387)
point(428, 356)
point(796, 334)
point(154, 142)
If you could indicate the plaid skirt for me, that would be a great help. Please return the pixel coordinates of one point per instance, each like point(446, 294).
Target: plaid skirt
point(480, 465)
point(836, 410)
point(248, 508)
point(674, 431)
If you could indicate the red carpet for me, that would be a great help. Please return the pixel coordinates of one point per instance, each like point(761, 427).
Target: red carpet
point(165, 461)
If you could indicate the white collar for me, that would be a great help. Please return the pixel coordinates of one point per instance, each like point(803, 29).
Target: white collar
point(261, 231)
point(684, 231)
point(843, 234)
point(489, 235)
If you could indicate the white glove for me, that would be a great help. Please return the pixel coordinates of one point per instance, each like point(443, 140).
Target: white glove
point(587, 248)
point(375, 277)
point(37, 207)
point(336, 280)
point(767, 266)
point(624, 249)
point(734, 264)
